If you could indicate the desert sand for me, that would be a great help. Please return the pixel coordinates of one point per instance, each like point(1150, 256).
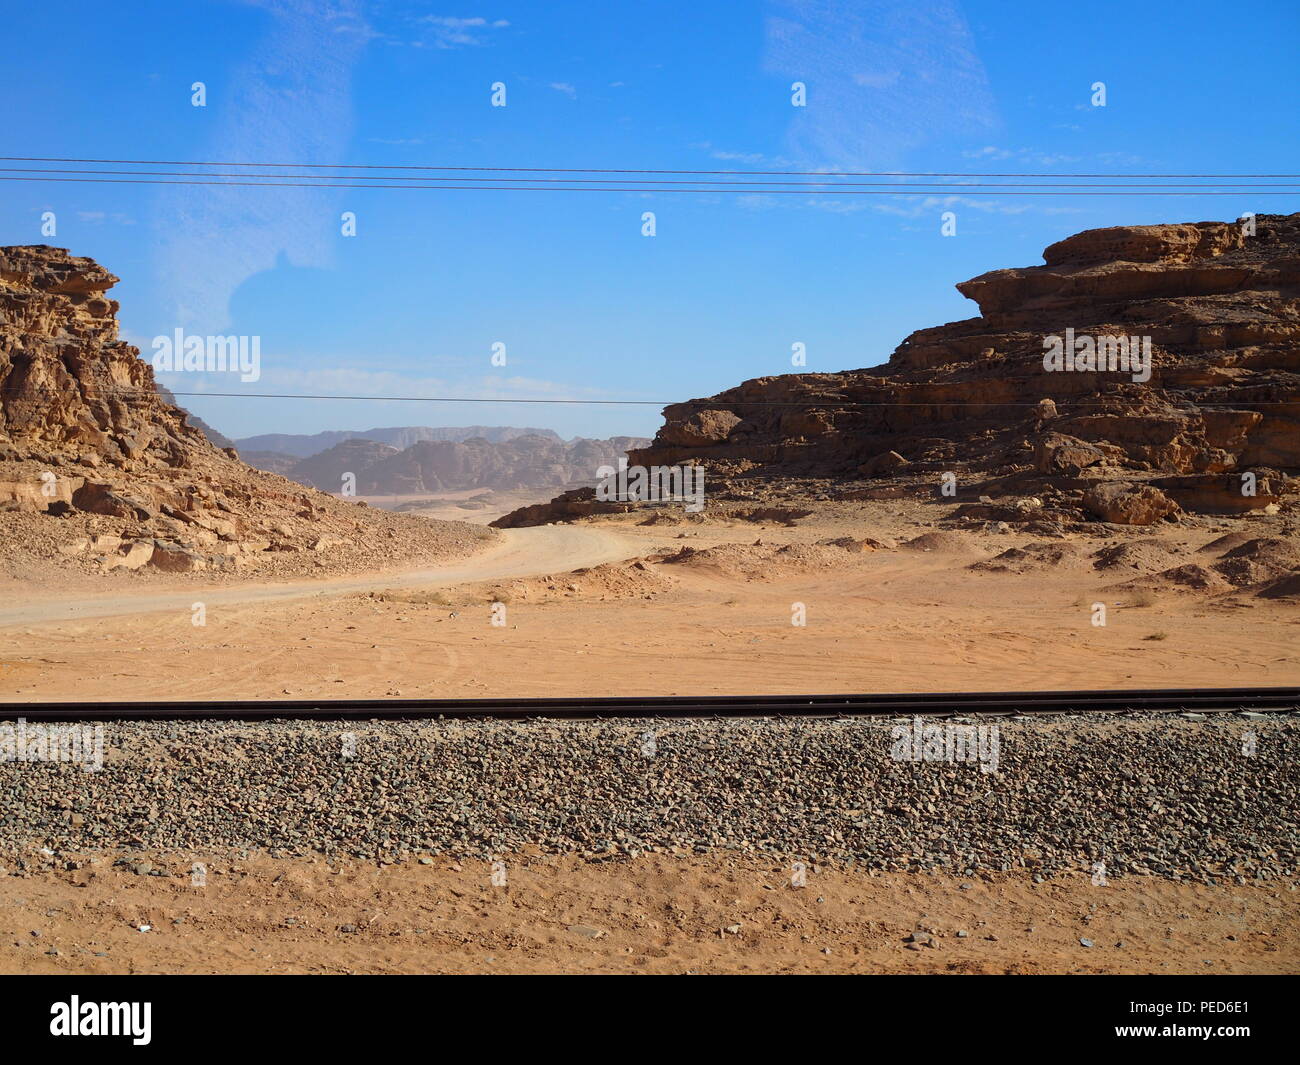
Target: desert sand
point(656, 914)
point(600, 606)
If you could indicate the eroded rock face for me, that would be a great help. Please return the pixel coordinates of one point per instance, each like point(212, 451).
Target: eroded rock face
point(99, 470)
point(1221, 310)
point(714, 426)
point(66, 381)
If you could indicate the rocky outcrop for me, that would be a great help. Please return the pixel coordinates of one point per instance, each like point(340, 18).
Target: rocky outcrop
point(220, 439)
point(1218, 309)
point(98, 469)
point(67, 383)
point(576, 503)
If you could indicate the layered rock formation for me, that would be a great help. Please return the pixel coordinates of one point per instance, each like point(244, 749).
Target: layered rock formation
point(1220, 310)
point(98, 469)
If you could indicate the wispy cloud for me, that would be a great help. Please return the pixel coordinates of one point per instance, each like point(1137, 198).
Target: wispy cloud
point(992, 153)
point(95, 218)
point(902, 205)
point(291, 99)
point(566, 88)
point(450, 31)
point(378, 384)
point(883, 77)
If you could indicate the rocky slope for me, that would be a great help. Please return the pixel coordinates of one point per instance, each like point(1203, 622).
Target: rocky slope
point(220, 439)
point(99, 471)
point(972, 400)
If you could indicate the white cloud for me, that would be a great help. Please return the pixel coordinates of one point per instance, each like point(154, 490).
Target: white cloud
point(454, 32)
point(566, 88)
point(328, 381)
point(883, 77)
point(290, 100)
point(1029, 156)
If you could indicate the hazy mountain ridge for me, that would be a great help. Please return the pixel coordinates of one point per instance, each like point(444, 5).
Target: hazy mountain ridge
point(527, 461)
point(401, 437)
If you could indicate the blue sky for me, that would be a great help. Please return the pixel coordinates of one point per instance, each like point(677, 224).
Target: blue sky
point(587, 307)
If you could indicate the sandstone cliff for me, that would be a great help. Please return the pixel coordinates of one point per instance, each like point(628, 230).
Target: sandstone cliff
point(1221, 310)
point(99, 471)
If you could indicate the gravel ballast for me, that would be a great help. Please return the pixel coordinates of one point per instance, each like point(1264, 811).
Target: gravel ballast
point(1212, 800)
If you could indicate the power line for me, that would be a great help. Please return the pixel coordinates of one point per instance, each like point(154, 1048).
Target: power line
point(923, 186)
point(561, 188)
point(826, 401)
point(606, 170)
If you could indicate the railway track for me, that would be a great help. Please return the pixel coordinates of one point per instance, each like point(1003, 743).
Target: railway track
point(1157, 700)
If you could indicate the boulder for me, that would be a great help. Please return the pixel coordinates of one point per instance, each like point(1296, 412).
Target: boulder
point(1126, 503)
point(1059, 453)
point(702, 428)
point(882, 465)
point(131, 555)
point(173, 558)
point(96, 498)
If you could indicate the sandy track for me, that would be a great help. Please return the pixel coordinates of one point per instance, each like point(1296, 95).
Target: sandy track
point(520, 553)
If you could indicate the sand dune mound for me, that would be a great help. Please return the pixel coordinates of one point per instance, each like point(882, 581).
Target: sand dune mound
point(1032, 558)
point(1191, 576)
point(939, 542)
point(1285, 588)
point(1146, 556)
point(613, 580)
point(1260, 560)
point(1270, 564)
point(1226, 542)
point(759, 561)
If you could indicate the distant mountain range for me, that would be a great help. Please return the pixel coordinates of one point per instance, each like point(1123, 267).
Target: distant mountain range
point(401, 437)
point(516, 459)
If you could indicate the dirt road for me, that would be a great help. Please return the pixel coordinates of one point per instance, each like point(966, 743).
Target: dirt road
point(520, 553)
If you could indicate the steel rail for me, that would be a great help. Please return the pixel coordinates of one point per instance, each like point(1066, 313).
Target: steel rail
point(1148, 700)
